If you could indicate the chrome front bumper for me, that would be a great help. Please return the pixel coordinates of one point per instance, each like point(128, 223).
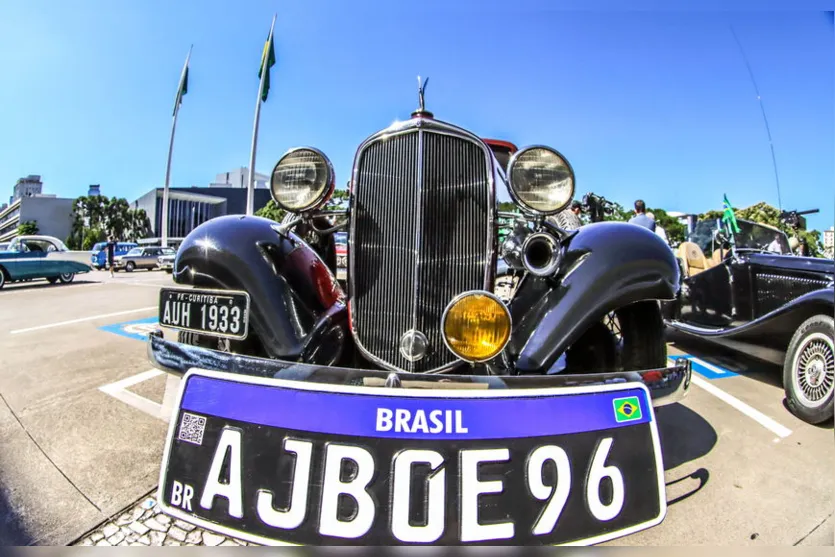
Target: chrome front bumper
point(666, 385)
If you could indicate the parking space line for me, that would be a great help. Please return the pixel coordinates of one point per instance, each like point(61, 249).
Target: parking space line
point(131, 381)
point(118, 390)
point(779, 430)
point(80, 320)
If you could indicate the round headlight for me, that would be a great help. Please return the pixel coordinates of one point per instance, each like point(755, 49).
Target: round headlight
point(476, 326)
point(541, 180)
point(302, 180)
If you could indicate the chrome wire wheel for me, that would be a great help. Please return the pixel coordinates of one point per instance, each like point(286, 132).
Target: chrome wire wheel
point(814, 370)
point(66, 278)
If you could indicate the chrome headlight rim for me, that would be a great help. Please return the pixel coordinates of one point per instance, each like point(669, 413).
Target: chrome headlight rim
point(322, 197)
point(458, 298)
point(512, 189)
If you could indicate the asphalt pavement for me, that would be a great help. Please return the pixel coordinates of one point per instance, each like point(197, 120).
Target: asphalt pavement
point(83, 421)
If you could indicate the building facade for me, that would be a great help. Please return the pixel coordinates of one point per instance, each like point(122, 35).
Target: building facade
point(238, 178)
point(53, 215)
point(27, 187)
point(189, 207)
point(829, 242)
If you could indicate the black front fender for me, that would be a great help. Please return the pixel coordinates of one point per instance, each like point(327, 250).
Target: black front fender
point(605, 266)
point(294, 296)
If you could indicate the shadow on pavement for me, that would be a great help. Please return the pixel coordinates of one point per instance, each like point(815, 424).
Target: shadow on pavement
point(38, 284)
point(12, 529)
point(736, 362)
point(685, 435)
point(702, 475)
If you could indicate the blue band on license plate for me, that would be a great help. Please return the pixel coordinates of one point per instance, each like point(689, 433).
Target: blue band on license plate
point(409, 417)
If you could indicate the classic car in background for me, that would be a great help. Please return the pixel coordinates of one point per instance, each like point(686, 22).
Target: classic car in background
point(745, 287)
point(416, 363)
point(166, 259)
point(98, 255)
point(141, 258)
point(31, 257)
point(341, 241)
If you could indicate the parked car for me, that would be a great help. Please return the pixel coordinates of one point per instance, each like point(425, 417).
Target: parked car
point(417, 361)
point(747, 288)
point(138, 258)
point(165, 261)
point(98, 255)
point(341, 241)
point(32, 257)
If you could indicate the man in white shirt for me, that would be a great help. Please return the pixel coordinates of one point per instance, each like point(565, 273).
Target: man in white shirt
point(660, 232)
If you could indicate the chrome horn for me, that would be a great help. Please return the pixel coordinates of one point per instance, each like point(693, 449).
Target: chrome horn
point(541, 254)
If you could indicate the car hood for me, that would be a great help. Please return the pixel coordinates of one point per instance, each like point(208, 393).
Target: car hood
point(795, 263)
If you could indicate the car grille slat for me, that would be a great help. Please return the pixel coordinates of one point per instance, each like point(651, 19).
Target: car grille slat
point(422, 235)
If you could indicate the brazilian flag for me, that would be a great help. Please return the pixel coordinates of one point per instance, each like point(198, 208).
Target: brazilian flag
point(267, 62)
point(627, 409)
point(183, 87)
point(728, 216)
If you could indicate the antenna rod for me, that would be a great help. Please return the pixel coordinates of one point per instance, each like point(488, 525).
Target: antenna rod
point(765, 119)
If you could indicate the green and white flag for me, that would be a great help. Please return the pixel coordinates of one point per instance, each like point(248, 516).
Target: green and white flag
point(728, 216)
point(183, 88)
point(267, 62)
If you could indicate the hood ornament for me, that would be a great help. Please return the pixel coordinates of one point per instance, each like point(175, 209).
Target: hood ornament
point(421, 111)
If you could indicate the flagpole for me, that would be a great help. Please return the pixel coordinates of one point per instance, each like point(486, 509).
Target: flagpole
point(250, 187)
point(170, 152)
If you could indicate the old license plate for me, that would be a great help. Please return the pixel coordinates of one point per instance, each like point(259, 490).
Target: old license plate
point(287, 462)
point(219, 313)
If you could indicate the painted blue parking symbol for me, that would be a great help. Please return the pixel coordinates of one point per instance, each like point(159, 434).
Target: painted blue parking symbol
point(706, 370)
point(137, 329)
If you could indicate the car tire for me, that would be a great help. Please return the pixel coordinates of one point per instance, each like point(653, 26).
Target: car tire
point(130, 266)
point(66, 278)
point(643, 345)
point(2, 277)
point(809, 370)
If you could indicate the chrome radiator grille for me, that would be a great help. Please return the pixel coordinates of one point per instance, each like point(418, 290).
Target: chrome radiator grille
point(422, 233)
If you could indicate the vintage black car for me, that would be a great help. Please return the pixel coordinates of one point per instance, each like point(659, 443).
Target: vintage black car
point(420, 349)
point(747, 291)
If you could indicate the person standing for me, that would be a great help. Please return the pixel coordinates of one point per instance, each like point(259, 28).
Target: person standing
point(569, 219)
point(111, 249)
point(641, 218)
point(659, 231)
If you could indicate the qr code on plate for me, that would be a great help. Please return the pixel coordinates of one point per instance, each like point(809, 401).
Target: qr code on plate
point(191, 428)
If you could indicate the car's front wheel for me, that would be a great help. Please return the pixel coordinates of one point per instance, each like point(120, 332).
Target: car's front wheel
point(2, 277)
point(130, 266)
point(809, 370)
point(66, 278)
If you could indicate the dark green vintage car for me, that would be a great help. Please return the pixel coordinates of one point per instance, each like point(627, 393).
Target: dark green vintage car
point(33, 257)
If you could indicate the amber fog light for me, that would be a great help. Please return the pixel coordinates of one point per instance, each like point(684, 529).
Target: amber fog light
point(476, 326)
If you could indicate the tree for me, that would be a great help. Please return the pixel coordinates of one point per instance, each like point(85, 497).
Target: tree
point(139, 225)
point(675, 229)
point(271, 211)
point(764, 213)
point(92, 236)
point(116, 216)
point(27, 228)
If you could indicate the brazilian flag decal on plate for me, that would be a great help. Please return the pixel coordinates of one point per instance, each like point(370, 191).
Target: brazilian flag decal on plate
point(627, 409)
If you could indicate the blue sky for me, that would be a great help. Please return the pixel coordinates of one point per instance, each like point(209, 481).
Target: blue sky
point(651, 104)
